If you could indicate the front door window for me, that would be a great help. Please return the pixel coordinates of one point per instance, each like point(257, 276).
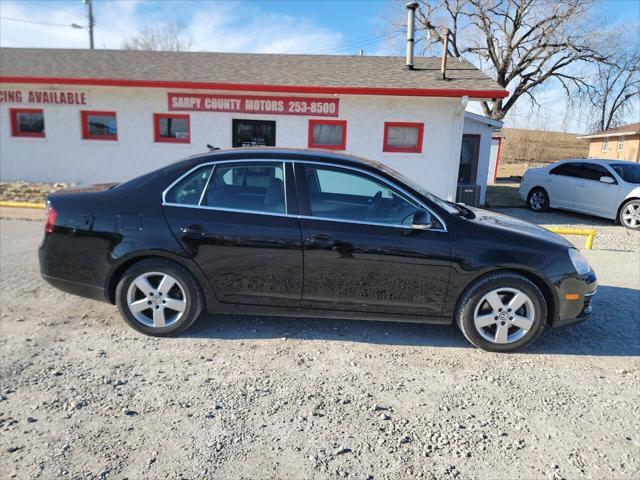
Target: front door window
point(346, 195)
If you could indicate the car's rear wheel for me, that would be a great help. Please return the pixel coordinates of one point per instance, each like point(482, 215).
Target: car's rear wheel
point(538, 200)
point(629, 215)
point(502, 312)
point(159, 297)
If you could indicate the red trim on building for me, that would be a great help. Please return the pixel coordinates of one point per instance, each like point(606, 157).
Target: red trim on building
point(156, 128)
point(15, 126)
point(86, 134)
point(405, 92)
point(388, 148)
point(495, 171)
point(341, 146)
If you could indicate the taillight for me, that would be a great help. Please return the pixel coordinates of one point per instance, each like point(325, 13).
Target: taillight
point(51, 217)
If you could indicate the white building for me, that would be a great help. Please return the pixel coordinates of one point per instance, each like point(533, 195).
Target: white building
point(98, 115)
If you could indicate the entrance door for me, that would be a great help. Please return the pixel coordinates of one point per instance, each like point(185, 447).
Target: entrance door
point(254, 133)
point(469, 159)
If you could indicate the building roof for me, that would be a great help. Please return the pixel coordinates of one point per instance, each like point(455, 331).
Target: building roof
point(246, 71)
point(625, 130)
point(497, 124)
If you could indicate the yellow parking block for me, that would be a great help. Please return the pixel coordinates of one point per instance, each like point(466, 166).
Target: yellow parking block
point(21, 204)
point(590, 234)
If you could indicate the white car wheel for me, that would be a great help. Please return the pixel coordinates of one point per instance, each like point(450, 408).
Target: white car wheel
point(630, 214)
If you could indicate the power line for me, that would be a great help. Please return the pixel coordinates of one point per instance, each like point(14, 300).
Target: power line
point(48, 24)
point(353, 44)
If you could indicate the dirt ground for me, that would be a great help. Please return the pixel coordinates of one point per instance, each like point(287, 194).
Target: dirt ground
point(83, 396)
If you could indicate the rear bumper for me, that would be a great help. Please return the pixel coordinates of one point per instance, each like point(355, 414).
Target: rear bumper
point(76, 288)
point(571, 312)
point(52, 270)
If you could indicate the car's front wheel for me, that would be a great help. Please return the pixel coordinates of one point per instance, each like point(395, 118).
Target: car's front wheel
point(502, 312)
point(159, 297)
point(629, 215)
point(538, 200)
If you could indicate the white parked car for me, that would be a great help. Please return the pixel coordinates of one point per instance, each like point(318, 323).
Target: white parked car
point(604, 188)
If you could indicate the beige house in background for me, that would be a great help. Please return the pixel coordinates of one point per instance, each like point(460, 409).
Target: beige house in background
point(622, 143)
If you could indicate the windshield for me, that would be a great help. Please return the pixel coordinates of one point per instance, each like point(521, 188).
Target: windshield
point(629, 172)
point(420, 189)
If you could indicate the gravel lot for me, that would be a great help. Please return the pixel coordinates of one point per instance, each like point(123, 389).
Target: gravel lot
point(83, 396)
point(610, 236)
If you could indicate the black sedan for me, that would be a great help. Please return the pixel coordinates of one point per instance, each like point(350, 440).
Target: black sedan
point(308, 233)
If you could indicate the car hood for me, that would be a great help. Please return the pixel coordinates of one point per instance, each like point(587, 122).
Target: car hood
point(512, 224)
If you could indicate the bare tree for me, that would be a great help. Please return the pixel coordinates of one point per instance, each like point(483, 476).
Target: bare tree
point(168, 38)
point(616, 86)
point(520, 43)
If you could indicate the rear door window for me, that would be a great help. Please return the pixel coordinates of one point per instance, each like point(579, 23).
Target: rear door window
point(257, 187)
point(189, 190)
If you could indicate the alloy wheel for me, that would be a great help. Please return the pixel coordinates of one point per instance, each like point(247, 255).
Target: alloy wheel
point(156, 299)
point(536, 202)
point(631, 215)
point(504, 315)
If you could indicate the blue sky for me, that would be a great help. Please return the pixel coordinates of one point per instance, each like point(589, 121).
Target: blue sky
point(282, 26)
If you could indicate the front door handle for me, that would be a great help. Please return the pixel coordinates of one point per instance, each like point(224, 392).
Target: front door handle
point(196, 231)
point(320, 240)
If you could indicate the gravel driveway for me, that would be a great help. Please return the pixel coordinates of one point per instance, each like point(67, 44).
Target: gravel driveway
point(610, 236)
point(83, 396)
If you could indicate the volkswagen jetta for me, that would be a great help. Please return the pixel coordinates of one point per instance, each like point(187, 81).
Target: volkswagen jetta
point(308, 233)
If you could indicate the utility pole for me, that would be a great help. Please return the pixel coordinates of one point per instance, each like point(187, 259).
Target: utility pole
point(92, 22)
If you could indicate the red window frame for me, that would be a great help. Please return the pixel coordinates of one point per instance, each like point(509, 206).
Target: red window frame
point(15, 128)
point(156, 128)
point(388, 148)
point(86, 135)
point(343, 142)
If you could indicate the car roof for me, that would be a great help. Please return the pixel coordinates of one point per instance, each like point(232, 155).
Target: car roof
point(286, 153)
point(608, 161)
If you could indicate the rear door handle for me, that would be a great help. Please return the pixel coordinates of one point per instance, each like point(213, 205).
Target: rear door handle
point(196, 231)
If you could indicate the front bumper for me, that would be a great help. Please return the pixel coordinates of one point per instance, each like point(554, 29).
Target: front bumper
point(571, 312)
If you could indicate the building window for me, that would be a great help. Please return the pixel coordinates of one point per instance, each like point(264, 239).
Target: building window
point(99, 125)
point(171, 128)
point(620, 144)
point(328, 134)
point(27, 122)
point(403, 137)
point(605, 144)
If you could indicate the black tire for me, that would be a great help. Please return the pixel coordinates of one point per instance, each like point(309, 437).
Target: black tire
point(465, 310)
point(536, 194)
point(624, 211)
point(189, 292)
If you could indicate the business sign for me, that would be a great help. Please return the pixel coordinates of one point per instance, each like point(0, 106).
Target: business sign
point(196, 102)
point(40, 97)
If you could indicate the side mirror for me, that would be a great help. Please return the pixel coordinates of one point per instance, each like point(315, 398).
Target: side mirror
point(607, 179)
point(421, 220)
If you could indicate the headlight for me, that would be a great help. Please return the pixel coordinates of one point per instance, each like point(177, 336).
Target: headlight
point(579, 261)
